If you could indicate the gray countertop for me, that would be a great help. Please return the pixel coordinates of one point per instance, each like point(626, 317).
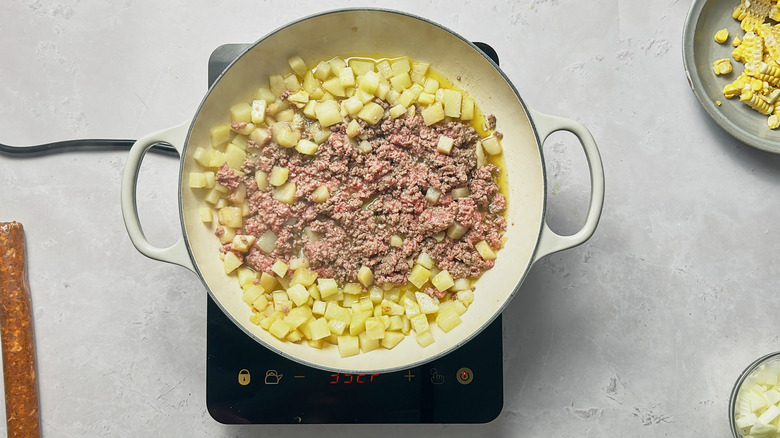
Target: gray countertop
point(639, 332)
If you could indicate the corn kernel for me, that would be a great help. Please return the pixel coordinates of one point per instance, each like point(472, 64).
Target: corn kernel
point(721, 36)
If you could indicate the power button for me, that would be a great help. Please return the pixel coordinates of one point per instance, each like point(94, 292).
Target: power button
point(464, 376)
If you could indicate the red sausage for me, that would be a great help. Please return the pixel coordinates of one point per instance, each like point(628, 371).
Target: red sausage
point(16, 331)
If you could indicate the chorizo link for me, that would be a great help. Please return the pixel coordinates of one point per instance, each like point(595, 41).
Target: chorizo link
point(16, 331)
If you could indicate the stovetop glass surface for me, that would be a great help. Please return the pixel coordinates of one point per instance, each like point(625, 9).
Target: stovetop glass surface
point(248, 384)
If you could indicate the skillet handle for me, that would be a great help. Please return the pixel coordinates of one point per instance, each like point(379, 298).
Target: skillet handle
point(176, 253)
point(549, 241)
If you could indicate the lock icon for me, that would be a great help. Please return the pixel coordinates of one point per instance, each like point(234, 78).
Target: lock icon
point(244, 377)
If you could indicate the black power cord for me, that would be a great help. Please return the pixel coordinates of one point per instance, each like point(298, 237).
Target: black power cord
point(81, 145)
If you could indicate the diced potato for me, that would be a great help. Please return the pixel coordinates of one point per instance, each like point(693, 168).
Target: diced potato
point(448, 319)
point(361, 66)
point(327, 287)
point(491, 145)
point(452, 102)
point(357, 323)
point(267, 281)
point(336, 326)
point(391, 339)
point(291, 82)
point(336, 64)
point(400, 65)
point(334, 87)
point(230, 217)
point(456, 231)
point(419, 275)
point(279, 268)
point(252, 293)
point(227, 235)
point(205, 215)
point(328, 113)
point(419, 323)
point(462, 284)
point(385, 69)
point(466, 108)
point(425, 98)
point(353, 289)
point(306, 147)
point(276, 81)
point(431, 85)
point(303, 276)
point(352, 105)
point(298, 294)
point(322, 71)
point(442, 281)
point(397, 111)
point(300, 98)
point(425, 260)
point(425, 339)
point(285, 193)
point(432, 113)
point(372, 113)
point(285, 135)
point(203, 156)
point(401, 82)
point(365, 276)
point(353, 128)
point(219, 135)
point(396, 241)
point(369, 82)
point(243, 128)
point(427, 303)
point(445, 144)
point(348, 345)
point(232, 261)
point(241, 112)
point(484, 250)
point(279, 328)
point(375, 328)
point(297, 316)
point(347, 77)
point(390, 308)
point(411, 308)
point(197, 180)
point(367, 344)
point(234, 156)
point(297, 65)
point(242, 243)
point(278, 175)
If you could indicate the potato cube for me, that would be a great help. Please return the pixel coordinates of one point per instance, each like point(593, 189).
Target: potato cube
point(303, 276)
point(266, 322)
point(346, 77)
point(391, 339)
point(197, 180)
point(260, 303)
point(227, 235)
point(445, 144)
point(230, 217)
point(241, 112)
point(203, 156)
point(219, 135)
point(267, 281)
point(401, 82)
point(400, 65)
point(419, 323)
point(334, 311)
point(427, 303)
point(319, 328)
point(243, 128)
point(232, 261)
point(242, 242)
point(385, 69)
point(396, 241)
point(276, 82)
point(357, 322)
point(291, 82)
point(279, 328)
point(491, 145)
point(411, 308)
point(297, 65)
point(334, 87)
point(298, 294)
point(466, 108)
point(336, 326)
point(484, 250)
point(419, 275)
point(425, 339)
point(375, 294)
point(285, 135)
point(369, 82)
point(300, 98)
point(352, 106)
point(431, 85)
point(390, 308)
point(361, 66)
point(205, 215)
point(372, 113)
point(285, 193)
point(328, 113)
point(322, 71)
point(306, 147)
point(318, 307)
point(327, 287)
point(365, 276)
point(443, 281)
point(336, 64)
point(448, 319)
point(425, 98)
point(252, 292)
point(452, 102)
point(320, 194)
point(297, 316)
point(397, 111)
point(375, 328)
point(278, 175)
point(367, 344)
point(348, 345)
point(279, 268)
point(432, 113)
point(294, 336)
point(260, 136)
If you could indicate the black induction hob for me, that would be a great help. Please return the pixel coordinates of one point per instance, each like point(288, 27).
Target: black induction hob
point(248, 384)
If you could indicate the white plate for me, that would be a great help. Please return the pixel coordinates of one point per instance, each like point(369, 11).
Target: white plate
point(699, 52)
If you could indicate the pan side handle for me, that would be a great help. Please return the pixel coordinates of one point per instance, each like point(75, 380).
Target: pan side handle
point(176, 253)
point(549, 241)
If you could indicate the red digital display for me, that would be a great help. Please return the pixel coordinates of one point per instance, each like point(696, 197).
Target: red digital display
point(347, 379)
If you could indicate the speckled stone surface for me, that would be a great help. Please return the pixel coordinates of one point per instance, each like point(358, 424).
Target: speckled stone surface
point(639, 332)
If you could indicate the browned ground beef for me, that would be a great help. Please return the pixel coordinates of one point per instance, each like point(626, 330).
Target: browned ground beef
point(374, 196)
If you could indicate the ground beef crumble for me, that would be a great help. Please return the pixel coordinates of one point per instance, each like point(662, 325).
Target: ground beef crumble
point(374, 196)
